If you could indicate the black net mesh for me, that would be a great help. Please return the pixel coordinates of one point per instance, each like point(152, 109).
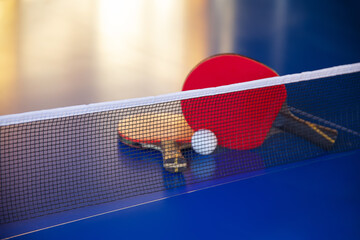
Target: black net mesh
point(59, 164)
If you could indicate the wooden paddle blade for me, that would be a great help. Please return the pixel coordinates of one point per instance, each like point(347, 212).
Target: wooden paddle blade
point(155, 127)
point(166, 132)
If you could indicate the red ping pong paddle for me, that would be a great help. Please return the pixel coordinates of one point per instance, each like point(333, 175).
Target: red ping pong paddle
point(243, 120)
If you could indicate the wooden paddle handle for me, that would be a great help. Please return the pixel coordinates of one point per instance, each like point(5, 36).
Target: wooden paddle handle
point(173, 159)
point(322, 136)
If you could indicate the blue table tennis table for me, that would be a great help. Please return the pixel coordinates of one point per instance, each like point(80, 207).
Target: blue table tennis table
point(313, 199)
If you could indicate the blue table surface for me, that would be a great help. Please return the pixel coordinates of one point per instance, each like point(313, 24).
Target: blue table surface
point(318, 199)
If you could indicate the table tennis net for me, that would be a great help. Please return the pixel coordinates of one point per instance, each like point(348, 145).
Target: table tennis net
point(57, 160)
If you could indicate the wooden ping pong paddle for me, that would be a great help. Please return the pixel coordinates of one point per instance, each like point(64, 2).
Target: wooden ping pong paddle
point(244, 120)
point(166, 132)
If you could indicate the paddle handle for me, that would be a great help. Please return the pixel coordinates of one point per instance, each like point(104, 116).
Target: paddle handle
point(173, 160)
point(319, 135)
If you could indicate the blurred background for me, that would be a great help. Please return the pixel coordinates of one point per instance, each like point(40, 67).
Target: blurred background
point(56, 53)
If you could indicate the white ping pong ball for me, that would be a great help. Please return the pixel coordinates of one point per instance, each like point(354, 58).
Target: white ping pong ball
point(203, 141)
